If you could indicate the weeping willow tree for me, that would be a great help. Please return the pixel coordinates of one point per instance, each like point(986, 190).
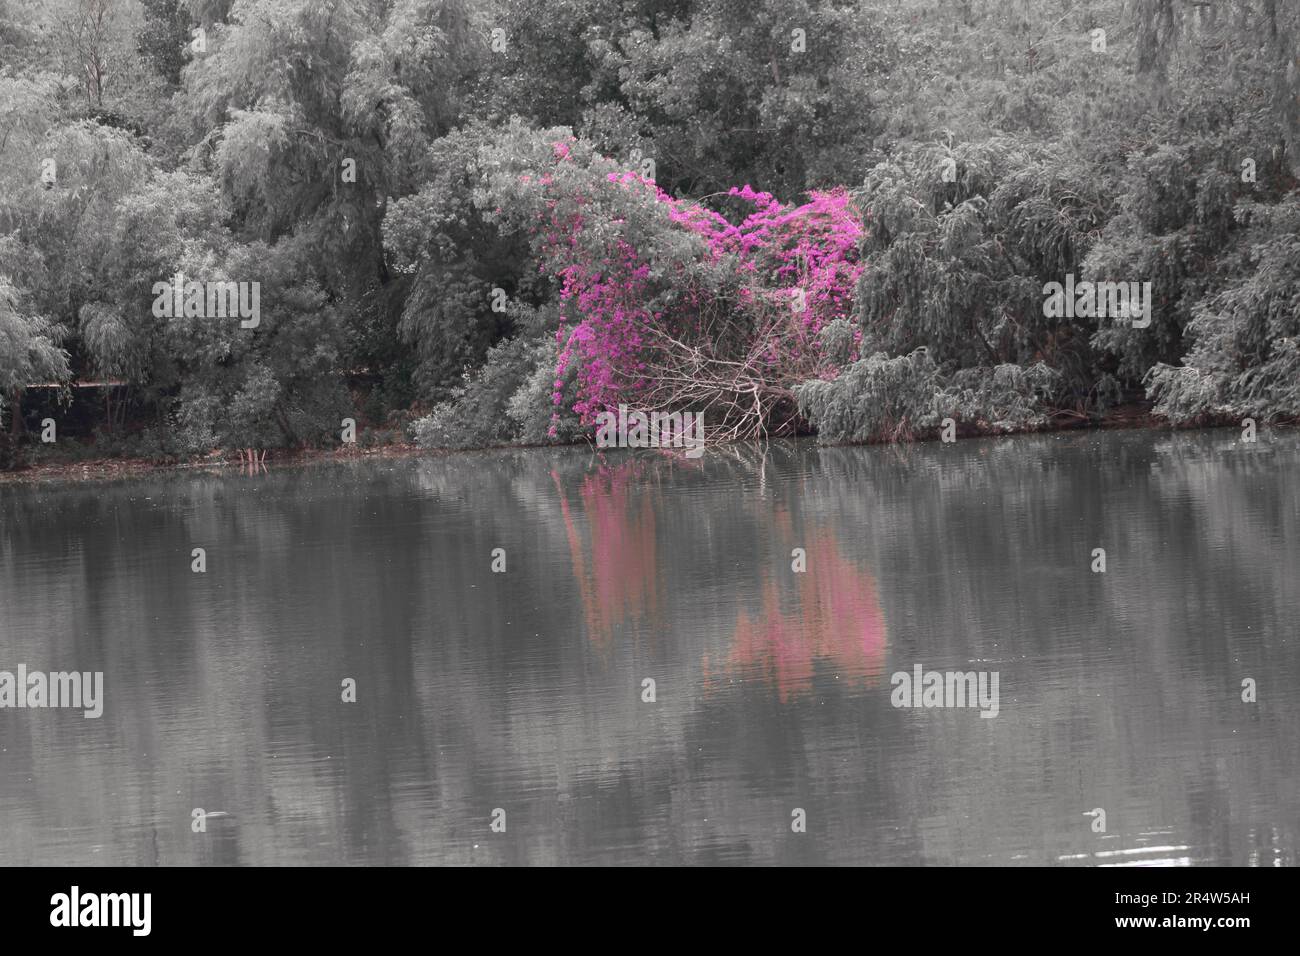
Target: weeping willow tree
point(1228, 199)
point(1245, 357)
point(949, 309)
point(311, 114)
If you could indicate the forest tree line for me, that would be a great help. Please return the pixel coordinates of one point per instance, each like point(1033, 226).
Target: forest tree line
point(482, 222)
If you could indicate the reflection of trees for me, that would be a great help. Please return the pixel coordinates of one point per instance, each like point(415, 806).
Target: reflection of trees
point(520, 690)
point(836, 620)
point(617, 571)
point(831, 617)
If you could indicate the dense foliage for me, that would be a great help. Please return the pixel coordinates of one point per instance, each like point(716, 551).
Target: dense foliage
point(491, 220)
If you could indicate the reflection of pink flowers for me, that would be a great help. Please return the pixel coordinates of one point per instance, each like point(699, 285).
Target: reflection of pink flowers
point(617, 565)
point(610, 243)
point(834, 618)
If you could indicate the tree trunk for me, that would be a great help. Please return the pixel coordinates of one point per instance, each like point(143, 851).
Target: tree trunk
point(16, 426)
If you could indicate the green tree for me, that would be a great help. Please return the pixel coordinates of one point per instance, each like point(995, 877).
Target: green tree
point(29, 353)
point(164, 38)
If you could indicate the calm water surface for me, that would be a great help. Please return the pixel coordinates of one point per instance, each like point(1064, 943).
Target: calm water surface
point(523, 690)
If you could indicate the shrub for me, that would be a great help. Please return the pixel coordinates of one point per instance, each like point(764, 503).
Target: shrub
point(899, 399)
point(505, 402)
point(877, 398)
point(1245, 355)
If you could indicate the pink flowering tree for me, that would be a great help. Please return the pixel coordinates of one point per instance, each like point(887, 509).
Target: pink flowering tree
point(670, 305)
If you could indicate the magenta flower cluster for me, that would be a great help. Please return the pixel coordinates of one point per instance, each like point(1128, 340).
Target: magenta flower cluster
point(633, 261)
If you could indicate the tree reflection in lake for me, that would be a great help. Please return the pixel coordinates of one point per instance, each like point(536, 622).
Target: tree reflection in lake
point(522, 690)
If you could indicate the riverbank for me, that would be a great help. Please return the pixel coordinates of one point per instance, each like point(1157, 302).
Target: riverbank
point(221, 460)
point(1130, 416)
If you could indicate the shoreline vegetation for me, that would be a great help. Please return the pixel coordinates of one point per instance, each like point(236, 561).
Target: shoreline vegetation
point(83, 465)
point(468, 224)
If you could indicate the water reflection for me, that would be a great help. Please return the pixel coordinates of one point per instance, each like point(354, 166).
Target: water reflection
point(834, 622)
point(522, 690)
point(829, 618)
point(616, 566)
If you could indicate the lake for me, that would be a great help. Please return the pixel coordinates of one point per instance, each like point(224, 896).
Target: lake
point(509, 716)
